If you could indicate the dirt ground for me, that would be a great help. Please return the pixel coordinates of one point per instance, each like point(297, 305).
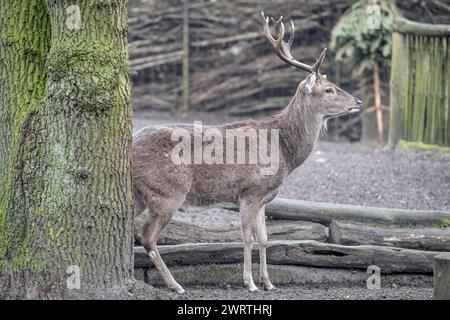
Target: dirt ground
point(340, 173)
point(141, 291)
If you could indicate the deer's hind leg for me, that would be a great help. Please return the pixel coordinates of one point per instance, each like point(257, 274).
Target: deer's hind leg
point(160, 213)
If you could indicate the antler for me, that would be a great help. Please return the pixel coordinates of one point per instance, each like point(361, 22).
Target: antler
point(283, 49)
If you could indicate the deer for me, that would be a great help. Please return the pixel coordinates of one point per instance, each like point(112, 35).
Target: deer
point(161, 186)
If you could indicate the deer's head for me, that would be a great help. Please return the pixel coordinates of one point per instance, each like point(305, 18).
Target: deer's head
point(318, 93)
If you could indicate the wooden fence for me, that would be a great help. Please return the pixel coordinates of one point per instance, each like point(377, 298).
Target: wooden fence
point(420, 83)
point(310, 242)
point(212, 55)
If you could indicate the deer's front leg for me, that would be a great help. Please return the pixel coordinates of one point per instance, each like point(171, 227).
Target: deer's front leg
point(261, 234)
point(248, 219)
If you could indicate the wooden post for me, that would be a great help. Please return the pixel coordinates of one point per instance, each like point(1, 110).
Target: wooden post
point(398, 88)
point(186, 58)
point(377, 91)
point(442, 276)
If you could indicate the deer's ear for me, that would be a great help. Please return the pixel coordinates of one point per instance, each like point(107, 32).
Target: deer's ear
point(310, 82)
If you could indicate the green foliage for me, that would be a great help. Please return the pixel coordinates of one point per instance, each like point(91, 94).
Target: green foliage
point(357, 42)
point(445, 224)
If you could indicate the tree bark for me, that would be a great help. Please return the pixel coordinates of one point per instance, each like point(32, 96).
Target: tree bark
point(66, 188)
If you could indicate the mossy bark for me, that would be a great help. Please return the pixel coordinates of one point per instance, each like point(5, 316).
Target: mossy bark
point(66, 147)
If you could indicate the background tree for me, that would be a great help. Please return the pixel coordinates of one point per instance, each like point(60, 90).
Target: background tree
point(362, 38)
point(65, 146)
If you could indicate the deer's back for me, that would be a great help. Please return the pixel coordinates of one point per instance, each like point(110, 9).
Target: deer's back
point(204, 184)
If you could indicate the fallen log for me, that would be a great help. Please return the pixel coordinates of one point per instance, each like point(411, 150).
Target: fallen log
point(231, 274)
point(301, 253)
point(178, 232)
point(325, 213)
point(434, 239)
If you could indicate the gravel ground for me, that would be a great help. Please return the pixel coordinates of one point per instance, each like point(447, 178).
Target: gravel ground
point(354, 174)
point(142, 291)
point(340, 173)
point(299, 293)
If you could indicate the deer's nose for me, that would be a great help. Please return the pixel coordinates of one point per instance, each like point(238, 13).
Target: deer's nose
point(358, 102)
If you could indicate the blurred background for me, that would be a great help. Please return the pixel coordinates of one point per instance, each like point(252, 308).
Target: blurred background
point(208, 59)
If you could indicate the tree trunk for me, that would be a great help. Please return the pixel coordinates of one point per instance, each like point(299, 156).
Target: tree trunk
point(66, 186)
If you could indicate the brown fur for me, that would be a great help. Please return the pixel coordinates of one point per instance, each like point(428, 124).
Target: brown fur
point(162, 186)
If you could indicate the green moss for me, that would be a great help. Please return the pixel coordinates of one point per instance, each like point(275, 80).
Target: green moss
point(426, 149)
point(445, 224)
point(107, 3)
point(73, 69)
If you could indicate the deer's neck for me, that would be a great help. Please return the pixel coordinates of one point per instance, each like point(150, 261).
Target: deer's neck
point(299, 130)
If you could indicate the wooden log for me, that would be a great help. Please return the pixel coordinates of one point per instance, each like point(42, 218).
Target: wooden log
point(178, 232)
point(303, 253)
point(442, 276)
point(399, 88)
point(325, 213)
point(231, 274)
point(434, 239)
point(423, 29)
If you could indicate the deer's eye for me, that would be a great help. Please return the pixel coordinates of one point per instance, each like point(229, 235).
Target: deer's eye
point(329, 90)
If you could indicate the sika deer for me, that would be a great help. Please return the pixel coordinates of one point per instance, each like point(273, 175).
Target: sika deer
point(162, 185)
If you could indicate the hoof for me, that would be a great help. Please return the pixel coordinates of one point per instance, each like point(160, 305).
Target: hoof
point(178, 290)
point(252, 288)
point(268, 286)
